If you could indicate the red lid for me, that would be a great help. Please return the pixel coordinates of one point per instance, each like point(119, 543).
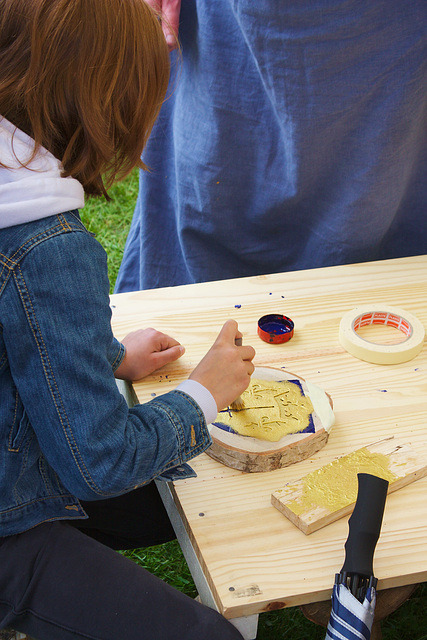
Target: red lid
point(275, 328)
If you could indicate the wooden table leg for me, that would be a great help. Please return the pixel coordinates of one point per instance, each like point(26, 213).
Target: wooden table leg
point(247, 625)
point(388, 600)
point(376, 633)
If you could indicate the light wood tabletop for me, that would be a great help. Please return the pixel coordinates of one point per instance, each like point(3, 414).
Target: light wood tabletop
point(254, 559)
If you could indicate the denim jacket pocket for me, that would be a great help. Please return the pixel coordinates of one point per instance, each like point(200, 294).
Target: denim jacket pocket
point(20, 426)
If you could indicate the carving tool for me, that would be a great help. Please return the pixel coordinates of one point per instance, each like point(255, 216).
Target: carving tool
point(238, 403)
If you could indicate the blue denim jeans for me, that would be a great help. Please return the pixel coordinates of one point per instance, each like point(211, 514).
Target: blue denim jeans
point(66, 433)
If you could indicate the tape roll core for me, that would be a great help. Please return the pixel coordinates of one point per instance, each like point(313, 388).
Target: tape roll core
point(381, 353)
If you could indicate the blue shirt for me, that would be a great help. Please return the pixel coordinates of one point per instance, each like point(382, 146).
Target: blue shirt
point(294, 137)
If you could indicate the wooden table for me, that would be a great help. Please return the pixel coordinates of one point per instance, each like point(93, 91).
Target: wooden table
point(252, 559)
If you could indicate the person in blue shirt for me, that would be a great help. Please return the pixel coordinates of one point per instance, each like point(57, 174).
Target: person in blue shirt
point(294, 137)
point(81, 84)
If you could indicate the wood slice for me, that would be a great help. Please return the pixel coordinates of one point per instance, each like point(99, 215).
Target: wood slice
point(254, 455)
point(403, 462)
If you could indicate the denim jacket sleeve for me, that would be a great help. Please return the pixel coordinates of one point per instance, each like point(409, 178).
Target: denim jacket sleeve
point(116, 353)
point(60, 348)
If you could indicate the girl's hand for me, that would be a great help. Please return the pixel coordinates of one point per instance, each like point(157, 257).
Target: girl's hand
point(226, 369)
point(146, 351)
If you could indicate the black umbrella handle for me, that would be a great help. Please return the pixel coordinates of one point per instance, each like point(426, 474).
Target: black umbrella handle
point(365, 526)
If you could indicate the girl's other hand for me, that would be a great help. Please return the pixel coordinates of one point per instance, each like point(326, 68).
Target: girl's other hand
point(146, 351)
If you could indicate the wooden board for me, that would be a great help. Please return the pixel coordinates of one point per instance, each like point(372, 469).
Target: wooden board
point(310, 514)
point(253, 455)
point(255, 559)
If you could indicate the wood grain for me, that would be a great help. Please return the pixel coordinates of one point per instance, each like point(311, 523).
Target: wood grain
point(254, 558)
point(406, 465)
point(275, 458)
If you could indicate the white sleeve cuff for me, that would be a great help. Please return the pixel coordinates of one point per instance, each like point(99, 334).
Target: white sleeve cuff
point(202, 396)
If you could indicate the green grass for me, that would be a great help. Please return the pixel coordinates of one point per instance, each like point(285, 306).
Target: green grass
point(110, 222)
point(166, 561)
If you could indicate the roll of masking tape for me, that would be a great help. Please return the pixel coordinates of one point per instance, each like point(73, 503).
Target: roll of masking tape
point(381, 353)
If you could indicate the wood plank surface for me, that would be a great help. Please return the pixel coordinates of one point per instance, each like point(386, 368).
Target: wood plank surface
point(310, 514)
point(255, 559)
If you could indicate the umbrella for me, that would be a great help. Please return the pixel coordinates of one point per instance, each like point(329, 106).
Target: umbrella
point(353, 596)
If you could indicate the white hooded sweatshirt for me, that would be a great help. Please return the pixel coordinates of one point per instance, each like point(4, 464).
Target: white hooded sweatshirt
point(33, 192)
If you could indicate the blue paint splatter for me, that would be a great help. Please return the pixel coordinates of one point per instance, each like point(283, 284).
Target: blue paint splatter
point(237, 306)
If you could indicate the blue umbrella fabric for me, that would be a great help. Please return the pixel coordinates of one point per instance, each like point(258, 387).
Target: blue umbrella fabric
point(354, 595)
point(351, 619)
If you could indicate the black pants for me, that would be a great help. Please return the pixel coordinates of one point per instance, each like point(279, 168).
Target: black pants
point(59, 583)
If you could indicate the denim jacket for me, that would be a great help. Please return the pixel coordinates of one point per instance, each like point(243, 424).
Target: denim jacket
point(66, 433)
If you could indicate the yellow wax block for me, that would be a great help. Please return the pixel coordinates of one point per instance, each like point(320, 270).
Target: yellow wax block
point(335, 485)
point(271, 411)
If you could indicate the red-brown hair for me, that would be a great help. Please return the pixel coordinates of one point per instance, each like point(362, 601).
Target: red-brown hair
point(85, 79)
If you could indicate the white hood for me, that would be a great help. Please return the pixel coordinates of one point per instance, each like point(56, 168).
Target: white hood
point(33, 192)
